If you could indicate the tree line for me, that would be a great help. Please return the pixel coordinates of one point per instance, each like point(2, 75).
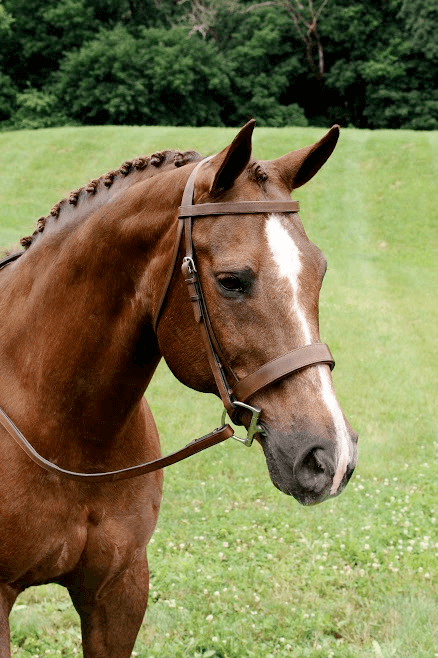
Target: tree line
point(364, 63)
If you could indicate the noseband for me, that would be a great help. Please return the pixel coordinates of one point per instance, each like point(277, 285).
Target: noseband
point(234, 396)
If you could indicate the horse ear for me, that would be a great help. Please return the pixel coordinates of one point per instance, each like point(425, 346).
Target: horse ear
point(298, 167)
point(230, 162)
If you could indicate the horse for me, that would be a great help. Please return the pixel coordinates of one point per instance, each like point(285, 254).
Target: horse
point(90, 306)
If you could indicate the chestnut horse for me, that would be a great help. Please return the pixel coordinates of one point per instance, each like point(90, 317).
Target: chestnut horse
point(84, 323)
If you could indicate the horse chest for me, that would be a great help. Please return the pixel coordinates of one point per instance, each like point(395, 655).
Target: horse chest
point(57, 532)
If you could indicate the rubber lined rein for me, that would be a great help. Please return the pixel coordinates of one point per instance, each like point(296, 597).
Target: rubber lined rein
point(233, 397)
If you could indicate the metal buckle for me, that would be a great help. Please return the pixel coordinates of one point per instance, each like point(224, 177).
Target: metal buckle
point(190, 264)
point(253, 426)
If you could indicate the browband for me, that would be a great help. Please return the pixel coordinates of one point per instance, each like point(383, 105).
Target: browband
point(238, 208)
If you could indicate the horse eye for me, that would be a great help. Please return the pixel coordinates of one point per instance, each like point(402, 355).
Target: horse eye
point(231, 283)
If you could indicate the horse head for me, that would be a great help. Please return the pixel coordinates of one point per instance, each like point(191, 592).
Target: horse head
point(261, 277)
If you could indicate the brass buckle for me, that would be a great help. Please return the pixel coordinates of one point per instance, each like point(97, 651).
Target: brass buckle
point(253, 428)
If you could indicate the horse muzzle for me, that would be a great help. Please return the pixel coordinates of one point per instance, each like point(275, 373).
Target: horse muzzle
point(306, 466)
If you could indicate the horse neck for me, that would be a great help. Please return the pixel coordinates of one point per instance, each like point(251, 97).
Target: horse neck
point(78, 308)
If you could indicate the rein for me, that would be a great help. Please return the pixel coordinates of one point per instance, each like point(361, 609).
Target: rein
point(234, 397)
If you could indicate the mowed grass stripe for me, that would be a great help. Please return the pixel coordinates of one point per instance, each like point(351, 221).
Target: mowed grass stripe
point(237, 569)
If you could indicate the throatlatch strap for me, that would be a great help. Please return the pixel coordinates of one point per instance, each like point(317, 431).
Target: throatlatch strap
point(10, 259)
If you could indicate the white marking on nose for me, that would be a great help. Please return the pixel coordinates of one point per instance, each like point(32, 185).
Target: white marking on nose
point(287, 257)
point(342, 435)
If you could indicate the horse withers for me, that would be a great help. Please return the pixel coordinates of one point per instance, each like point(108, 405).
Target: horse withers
point(88, 310)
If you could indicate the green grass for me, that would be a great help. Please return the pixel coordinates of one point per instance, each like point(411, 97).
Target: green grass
point(238, 569)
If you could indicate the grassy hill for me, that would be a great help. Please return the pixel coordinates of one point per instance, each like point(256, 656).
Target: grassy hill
point(238, 569)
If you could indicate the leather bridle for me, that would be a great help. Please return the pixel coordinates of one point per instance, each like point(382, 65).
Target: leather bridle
point(235, 395)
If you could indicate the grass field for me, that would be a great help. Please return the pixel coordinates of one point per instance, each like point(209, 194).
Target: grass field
point(238, 569)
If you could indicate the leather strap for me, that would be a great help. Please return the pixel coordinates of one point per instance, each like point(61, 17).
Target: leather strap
point(186, 199)
point(217, 436)
point(10, 259)
point(216, 358)
point(169, 275)
point(201, 317)
point(238, 208)
point(280, 367)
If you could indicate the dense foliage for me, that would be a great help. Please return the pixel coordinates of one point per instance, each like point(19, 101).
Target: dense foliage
point(366, 63)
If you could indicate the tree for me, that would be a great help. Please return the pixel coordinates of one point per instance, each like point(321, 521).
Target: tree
point(264, 69)
point(305, 19)
point(7, 88)
point(421, 23)
point(159, 77)
point(367, 63)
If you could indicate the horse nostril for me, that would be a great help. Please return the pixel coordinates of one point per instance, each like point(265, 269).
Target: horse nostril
point(315, 460)
point(314, 471)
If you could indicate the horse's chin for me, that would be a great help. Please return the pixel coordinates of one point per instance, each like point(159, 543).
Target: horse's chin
point(305, 500)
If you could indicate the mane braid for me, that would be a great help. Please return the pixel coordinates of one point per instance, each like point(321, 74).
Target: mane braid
point(175, 158)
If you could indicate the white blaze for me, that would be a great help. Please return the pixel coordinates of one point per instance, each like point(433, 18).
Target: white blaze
point(287, 258)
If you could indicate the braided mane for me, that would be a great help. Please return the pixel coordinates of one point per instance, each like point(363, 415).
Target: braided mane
point(151, 164)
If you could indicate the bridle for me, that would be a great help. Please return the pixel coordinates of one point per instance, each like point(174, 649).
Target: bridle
point(235, 395)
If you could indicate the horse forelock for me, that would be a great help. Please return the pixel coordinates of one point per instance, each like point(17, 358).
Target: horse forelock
point(150, 164)
point(257, 172)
